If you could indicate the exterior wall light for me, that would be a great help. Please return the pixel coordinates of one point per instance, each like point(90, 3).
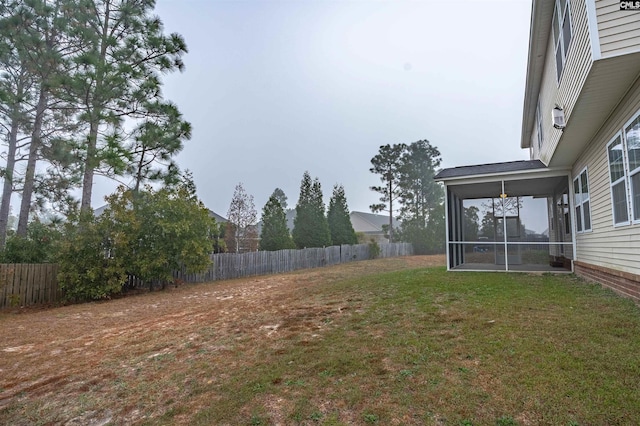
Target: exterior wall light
point(558, 117)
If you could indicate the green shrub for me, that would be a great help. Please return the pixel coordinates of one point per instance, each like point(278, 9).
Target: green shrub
point(39, 246)
point(88, 269)
point(374, 249)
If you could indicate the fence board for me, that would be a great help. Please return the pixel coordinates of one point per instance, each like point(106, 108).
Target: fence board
point(28, 284)
point(31, 284)
point(19, 278)
point(4, 285)
point(231, 265)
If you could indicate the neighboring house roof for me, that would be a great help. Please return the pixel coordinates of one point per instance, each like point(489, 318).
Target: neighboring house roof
point(488, 169)
point(98, 212)
point(217, 217)
point(289, 213)
point(369, 222)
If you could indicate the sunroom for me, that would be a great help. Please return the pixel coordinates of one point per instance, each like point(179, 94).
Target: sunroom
point(514, 216)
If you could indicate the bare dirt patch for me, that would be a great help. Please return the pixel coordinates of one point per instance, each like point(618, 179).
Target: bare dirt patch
point(134, 359)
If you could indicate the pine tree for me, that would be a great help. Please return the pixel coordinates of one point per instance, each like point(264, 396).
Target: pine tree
point(125, 53)
point(338, 217)
point(274, 234)
point(36, 46)
point(15, 84)
point(388, 163)
point(421, 197)
point(310, 227)
point(407, 173)
point(419, 193)
point(155, 142)
point(281, 197)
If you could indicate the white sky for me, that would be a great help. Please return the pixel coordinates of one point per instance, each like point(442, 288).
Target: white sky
point(274, 88)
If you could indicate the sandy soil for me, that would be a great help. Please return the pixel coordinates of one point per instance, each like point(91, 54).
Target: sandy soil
point(94, 363)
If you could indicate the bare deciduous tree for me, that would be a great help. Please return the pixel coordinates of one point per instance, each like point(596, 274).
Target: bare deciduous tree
point(241, 233)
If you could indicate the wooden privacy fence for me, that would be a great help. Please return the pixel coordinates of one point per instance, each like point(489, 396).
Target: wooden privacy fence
point(33, 284)
point(232, 265)
point(24, 284)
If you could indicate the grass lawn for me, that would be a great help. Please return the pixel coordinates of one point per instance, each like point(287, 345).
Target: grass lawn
point(378, 342)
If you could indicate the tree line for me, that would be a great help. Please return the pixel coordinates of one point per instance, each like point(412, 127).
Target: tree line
point(313, 225)
point(80, 97)
point(409, 194)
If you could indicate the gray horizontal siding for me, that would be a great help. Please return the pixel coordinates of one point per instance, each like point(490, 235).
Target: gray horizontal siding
point(574, 75)
point(618, 30)
point(612, 247)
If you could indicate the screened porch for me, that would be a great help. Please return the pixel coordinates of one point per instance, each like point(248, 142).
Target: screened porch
point(514, 216)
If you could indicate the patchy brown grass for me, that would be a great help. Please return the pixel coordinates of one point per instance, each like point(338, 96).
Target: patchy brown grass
point(165, 356)
point(388, 342)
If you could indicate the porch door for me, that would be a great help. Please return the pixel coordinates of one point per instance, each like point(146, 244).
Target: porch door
point(563, 222)
point(508, 210)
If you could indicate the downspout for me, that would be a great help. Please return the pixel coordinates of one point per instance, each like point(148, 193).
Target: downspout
point(504, 227)
point(572, 215)
point(448, 225)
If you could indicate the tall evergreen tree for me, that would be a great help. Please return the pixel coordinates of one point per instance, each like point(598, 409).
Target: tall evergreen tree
point(36, 37)
point(419, 193)
point(281, 197)
point(338, 218)
point(407, 173)
point(275, 233)
point(154, 144)
point(421, 197)
point(487, 224)
point(126, 52)
point(15, 86)
point(387, 164)
point(471, 223)
point(310, 227)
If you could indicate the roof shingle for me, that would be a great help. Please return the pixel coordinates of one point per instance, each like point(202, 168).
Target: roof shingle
point(489, 169)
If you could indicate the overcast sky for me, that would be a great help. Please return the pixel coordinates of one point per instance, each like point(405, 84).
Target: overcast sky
point(274, 88)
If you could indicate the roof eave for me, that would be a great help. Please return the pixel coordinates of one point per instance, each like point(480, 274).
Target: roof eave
point(539, 32)
point(599, 99)
point(483, 177)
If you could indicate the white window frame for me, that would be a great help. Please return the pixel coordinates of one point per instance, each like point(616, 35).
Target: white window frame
point(559, 16)
point(622, 179)
point(630, 173)
point(580, 200)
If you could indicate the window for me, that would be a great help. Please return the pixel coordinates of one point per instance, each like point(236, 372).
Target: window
point(632, 139)
point(624, 172)
point(561, 33)
point(582, 202)
point(618, 181)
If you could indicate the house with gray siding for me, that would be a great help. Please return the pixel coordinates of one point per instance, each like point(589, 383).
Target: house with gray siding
point(372, 226)
point(581, 126)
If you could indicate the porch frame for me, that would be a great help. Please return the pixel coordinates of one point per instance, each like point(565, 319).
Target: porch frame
point(461, 180)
